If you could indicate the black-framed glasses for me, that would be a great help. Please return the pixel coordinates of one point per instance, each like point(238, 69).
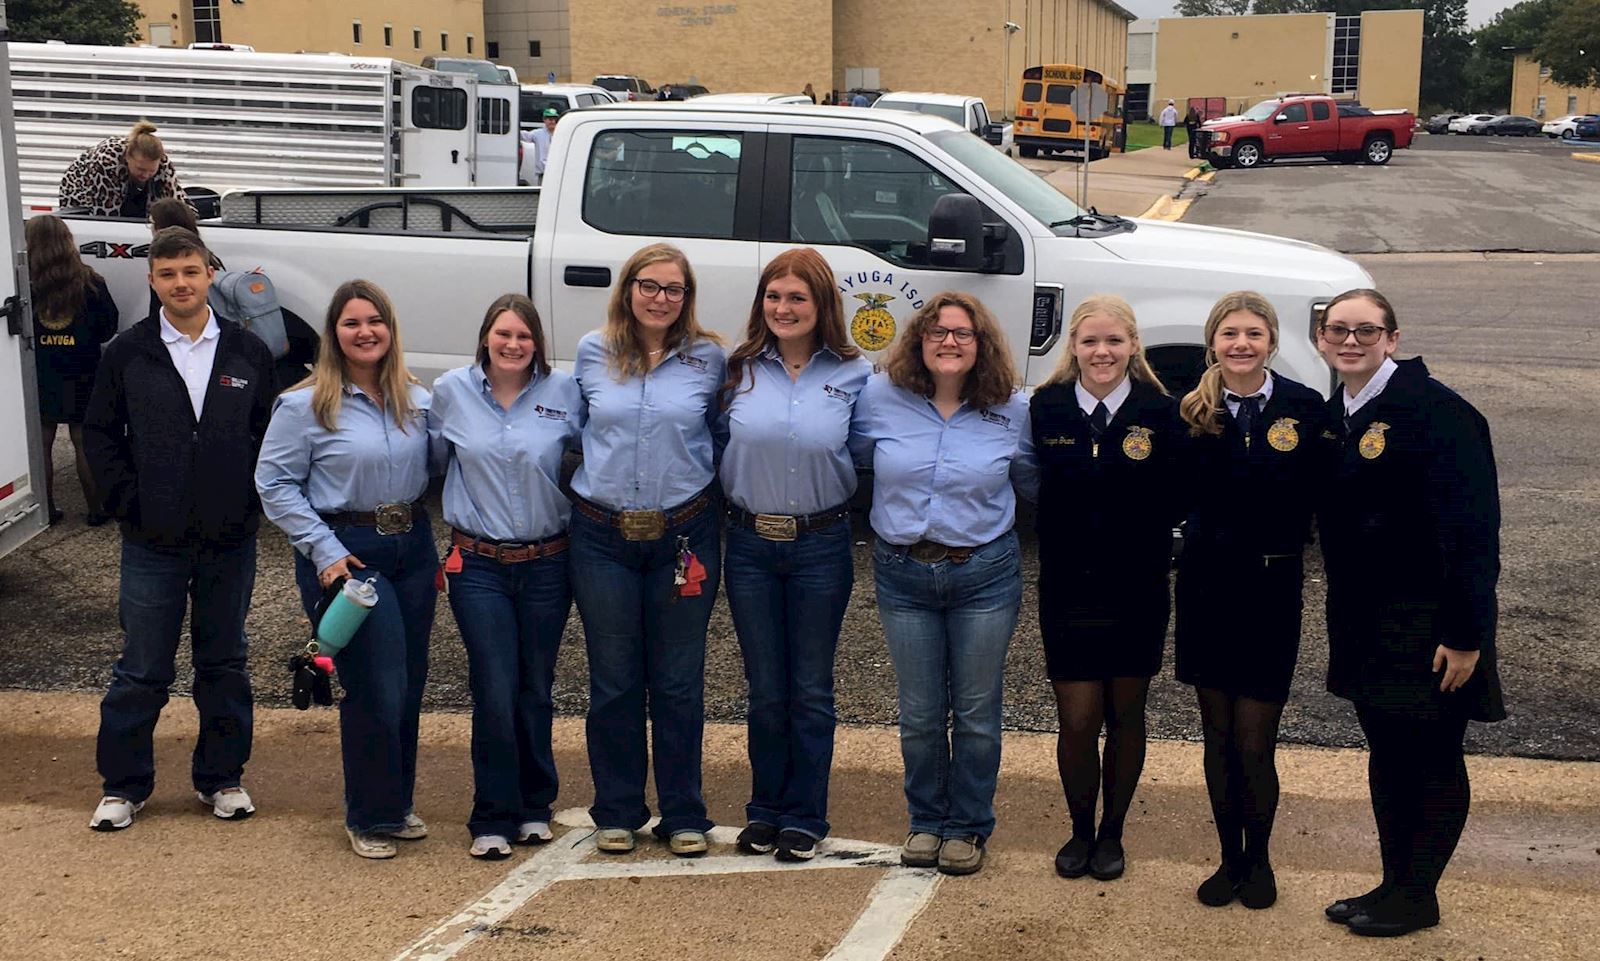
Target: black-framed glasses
point(650, 289)
point(1366, 334)
point(937, 334)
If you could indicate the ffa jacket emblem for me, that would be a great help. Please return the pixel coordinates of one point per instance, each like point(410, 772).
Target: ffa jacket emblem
point(1137, 444)
point(1372, 442)
point(1282, 435)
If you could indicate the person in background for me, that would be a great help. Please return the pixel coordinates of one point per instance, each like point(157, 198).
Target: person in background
point(177, 415)
point(1257, 443)
point(121, 176)
point(342, 472)
point(1410, 528)
point(1169, 119)
point(1109, 443)
point(808, 91)
point(786, 470)
point(860, 100)
point(539, 137)
point(499, 428)
point(73, 315)
point(1191, 126)
point(946, 433)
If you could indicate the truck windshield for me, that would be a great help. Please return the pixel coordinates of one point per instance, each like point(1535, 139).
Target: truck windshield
point(1024, 187)
point(1265, 110)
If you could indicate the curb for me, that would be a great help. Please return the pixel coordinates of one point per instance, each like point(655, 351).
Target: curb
point(1587, 157)
point(1168, 209)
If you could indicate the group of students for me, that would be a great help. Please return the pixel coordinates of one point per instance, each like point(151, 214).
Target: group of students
point(703, 466)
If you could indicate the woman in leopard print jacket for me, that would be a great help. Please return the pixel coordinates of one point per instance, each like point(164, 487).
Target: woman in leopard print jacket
point(121, 176)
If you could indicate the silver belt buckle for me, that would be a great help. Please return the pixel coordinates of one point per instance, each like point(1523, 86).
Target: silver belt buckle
point(777, 527)
point(927, 552)
point(392, 518)
point(642, 525)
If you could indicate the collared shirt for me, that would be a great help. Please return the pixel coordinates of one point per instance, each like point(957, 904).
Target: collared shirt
point(503, 467)
point(540, 138)
point(1374, 387)
point(1113, 401)
point(647, 444)
point(786, 440)
point(947, 481)
point(192, 358)
point(305, 470)
point(1262, 395)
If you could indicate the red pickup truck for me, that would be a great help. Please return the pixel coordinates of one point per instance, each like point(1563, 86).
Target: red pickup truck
point(1306, 126)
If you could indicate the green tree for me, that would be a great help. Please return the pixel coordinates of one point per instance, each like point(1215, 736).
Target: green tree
point(1570, 46)
point(1486, 78)
point(1211, 8)
point(1446, 47)
point(113, 23)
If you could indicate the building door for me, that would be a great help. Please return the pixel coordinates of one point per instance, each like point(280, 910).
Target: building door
point(1138, 101)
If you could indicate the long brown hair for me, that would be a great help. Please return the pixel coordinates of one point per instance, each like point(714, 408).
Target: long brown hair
point(1202, 407)
point(992, 379)
point(628, 356)
point(143, 142)
point(811, 269)
point(1117, 309)
point(58, 276)
point(330, 374)
point(523, 307)
point(1372, 296)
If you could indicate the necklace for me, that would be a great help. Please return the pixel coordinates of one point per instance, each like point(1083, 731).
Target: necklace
point(659, 350)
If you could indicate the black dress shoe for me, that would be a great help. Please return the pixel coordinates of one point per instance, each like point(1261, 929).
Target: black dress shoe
point(1341, 912)
point(1072, 861)
point(1218, 890)
point(758, 837)
point(1394, 916)
point(1108, 860)
point(1259, 889)
point(97, 519)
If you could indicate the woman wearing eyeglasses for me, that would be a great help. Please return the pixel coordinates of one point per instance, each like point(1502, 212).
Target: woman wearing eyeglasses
point(1257, 445)
point(944, 429)
point(646, 547)
point(1410, 525)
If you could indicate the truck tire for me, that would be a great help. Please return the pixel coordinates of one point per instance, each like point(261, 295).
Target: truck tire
point(1178, 366)
point(1247, 154)
point(1378, 150)
point(1027, 151)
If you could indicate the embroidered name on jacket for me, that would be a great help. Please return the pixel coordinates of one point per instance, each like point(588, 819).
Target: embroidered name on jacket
point(228, 381)
point(991, 417)
point(837, 394)
point(550, 413)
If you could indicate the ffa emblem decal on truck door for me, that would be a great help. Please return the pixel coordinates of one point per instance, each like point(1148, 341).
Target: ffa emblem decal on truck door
point(872, 327)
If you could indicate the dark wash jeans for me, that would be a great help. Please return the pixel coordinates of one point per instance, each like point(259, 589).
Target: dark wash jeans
point(788, 600)
point(157, 587)
point(511, 618)
point(642, 644)
point(382, 670)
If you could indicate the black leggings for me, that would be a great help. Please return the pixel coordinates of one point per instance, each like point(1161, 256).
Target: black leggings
point(1241, 771)
point(1083, 707)
point(1420, 795)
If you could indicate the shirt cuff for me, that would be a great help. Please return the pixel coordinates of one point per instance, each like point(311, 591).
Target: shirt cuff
point(326, 551)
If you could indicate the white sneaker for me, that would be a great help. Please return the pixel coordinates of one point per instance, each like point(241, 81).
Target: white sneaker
point(374, 846)
point(490, 847)
point(114, 813)
point(534, 832)
point(414, 830)
point(230, 803)
point(614, 840)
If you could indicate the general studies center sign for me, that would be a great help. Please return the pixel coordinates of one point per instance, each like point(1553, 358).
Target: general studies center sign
point(703, 15)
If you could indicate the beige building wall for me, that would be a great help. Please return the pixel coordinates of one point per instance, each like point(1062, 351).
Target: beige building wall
point(532, 37)
point(1244, 59)
point(1529, 82)
point(1391, 59)
point(960, 50)
point(417, 28)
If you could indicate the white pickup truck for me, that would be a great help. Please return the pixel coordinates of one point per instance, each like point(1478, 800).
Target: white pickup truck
point(902, 205)
point(970, 113)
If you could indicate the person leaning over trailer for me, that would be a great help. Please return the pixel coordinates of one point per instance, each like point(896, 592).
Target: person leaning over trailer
point(121, 176)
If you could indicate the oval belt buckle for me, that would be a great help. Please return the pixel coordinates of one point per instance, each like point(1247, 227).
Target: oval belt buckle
point(393, 518)
point(928, 552)
point(777, 527)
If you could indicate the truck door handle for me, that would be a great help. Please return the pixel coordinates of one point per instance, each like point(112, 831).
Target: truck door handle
point(455, 156)
point(587, 276)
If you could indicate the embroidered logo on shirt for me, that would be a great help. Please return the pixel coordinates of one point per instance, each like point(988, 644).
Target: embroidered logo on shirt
point(238, 382)
point(1372, 442)
point(698, 363)
point(1282, 435)
point(991, 417)
point(836, 393)
point(550, 413)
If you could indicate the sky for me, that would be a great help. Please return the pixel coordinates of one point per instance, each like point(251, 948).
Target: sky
point(1479, 12)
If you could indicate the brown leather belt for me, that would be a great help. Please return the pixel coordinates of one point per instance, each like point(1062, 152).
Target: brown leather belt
point(387, 518)
point(507, 552)
point(929, 552)
point(786, 527)
point(643, 525)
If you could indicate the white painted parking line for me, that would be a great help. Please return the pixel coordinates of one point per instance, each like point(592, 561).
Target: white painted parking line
point(893, 904)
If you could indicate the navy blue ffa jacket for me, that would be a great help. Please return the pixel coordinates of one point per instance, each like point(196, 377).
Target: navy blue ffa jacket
point(175, 482)
point(1410, 528)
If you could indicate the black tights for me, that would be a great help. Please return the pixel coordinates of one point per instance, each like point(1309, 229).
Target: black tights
point(1083, 706)
point(1420, 795)
point(1241, 771)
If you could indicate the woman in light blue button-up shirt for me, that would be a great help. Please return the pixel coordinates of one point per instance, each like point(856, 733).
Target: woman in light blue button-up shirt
point(786, 469)
point(499, 427)
point(646, 547)
point(342, 471)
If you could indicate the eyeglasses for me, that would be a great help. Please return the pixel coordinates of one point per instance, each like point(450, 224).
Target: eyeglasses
point(937, 334)
point(1366, 334)
point(649, 288)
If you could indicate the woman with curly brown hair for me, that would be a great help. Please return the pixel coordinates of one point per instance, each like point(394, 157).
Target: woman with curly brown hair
point(945, 431)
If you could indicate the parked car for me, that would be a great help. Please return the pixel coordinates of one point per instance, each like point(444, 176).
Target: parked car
point(968, 112)
point(1511, 125)
point(627, 85)
point(680, 91)
point(1439, 123)
point(1464, 123)
point(485, 71)
point(1561, 126)
point(1310, 125)
point(1588, 128)
point(750, 99)
point(562, 96)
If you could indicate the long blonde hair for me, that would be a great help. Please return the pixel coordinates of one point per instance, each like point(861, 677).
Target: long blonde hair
point(1202, 407)
point(628, 356)
point(331, 374)
point(143, 142)
point(1117, 309)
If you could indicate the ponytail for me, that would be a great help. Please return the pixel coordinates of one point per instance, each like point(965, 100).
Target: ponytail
point(143, 142)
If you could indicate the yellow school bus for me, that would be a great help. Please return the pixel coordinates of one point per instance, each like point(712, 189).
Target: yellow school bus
point(1047, 123)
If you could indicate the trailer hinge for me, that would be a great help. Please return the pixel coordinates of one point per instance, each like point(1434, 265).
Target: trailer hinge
point(11, 310)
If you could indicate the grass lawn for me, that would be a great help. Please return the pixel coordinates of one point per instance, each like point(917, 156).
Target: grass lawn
point(1142, 134)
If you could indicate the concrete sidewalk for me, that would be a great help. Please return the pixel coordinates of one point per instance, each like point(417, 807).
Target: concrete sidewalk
point(181, 885)
point(1127, 184)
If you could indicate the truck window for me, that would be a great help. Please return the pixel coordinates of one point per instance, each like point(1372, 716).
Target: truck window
point(863, 194)
point(665, 183)
point(1031, 91)
point(1319, 111)
point(439, 108)
point(494, 116)
point(1294, 113)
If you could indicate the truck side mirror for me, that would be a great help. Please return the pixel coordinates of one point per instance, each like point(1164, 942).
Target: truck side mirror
point(1281, 118)
point(955, 233)
point(995, 133)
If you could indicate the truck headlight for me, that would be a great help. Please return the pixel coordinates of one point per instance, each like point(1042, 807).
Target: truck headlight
point(1219, 136)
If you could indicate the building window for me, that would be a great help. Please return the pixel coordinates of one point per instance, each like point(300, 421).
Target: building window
point(207, 21)
point(533, 49)
point(416, 38)
point(469, 43)
point(388, 35)
point(491, 49)
point(1346, 55)
point(1539, 105)
point(444, 43)
point(1544, 72)
point(355, 31)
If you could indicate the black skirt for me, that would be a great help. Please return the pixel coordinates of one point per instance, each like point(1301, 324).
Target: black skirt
point(1096, 631)
point(1242, 641)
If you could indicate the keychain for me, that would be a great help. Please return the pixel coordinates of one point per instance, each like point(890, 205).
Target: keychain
point(689, 573)
point(451, 565)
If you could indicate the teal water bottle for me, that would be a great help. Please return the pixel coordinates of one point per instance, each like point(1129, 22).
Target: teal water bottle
point(345, 614)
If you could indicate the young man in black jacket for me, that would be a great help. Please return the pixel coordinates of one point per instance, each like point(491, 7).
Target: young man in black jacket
point(180, 404)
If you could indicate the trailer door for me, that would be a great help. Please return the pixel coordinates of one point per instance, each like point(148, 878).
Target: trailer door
point(437, 129)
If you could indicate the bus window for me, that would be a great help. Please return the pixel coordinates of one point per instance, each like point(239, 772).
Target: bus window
point(1031, 91)
point(1059, 93)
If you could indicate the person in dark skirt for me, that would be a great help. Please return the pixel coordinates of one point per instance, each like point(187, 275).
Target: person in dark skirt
point(1256, 447)
point(73, 314)
point(1108, 440)
point(1410, 529)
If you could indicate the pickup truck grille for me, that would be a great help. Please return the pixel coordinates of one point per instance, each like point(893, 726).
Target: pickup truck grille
point(1202, 139)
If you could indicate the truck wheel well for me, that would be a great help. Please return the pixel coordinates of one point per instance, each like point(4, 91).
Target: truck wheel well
point(1178, 365)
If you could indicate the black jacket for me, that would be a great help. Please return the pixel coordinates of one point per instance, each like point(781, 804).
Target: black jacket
point(175, 483)
point(1410, 525)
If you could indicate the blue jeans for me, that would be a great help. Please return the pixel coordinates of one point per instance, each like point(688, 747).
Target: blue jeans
point(156, 588)
point(640, 639)
point(382, 670)
point(1166, 137)
point(948, 626)
point(788, 601)
point(511, 618)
